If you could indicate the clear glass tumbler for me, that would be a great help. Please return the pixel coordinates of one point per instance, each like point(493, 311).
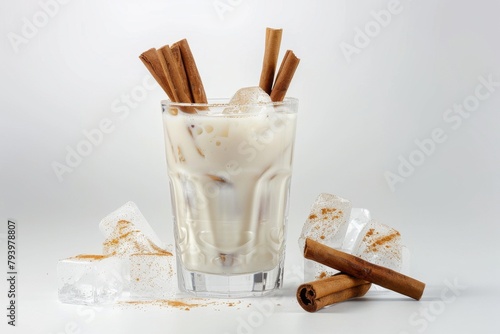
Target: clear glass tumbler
point(229, 168)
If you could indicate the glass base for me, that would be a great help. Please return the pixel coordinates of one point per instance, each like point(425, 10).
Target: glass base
point(230, 286)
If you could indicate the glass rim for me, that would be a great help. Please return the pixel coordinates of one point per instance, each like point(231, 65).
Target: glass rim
point(224, 102)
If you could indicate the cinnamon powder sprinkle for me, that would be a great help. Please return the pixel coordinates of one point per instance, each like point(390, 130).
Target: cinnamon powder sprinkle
point(384, 240)
point(178, 304)
point(127, 233)
point(164, 302)
point(324, 211)
point(161, 252)
point(90, 257)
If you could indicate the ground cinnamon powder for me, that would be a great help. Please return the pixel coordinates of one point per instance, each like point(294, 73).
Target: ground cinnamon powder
point(382, 241)
point(89, 257)
point(182, 305)
point(125, 233)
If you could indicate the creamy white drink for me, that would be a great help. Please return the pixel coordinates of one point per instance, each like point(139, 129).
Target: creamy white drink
point(229, 170)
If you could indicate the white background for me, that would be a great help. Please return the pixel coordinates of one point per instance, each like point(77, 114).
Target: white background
point(359, 116)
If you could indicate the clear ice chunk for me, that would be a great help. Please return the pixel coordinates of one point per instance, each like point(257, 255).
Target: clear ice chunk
point(358, 220)
point(314, 271)
point(129, 212)
point(91, 279)
point(380, 244)
point(327, 223)
point(152, 276)
point(126, 239)
point(248, 100)
point(363, 237)
point(250, 95)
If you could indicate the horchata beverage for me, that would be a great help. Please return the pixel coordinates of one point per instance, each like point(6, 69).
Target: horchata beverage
point(230, 167)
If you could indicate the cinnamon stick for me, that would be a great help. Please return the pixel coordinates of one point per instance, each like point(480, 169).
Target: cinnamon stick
point(171, 87)
point(271, 52)
point(176, 52)
point(180, 90)
point(153, 64)
point(194, 79)
point(359, 268)
point(284, 77)
point(315, 295)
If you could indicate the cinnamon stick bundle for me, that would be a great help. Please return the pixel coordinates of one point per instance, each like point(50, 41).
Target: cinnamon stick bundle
point(176, 72)
point(315, 295)
point(359, 268)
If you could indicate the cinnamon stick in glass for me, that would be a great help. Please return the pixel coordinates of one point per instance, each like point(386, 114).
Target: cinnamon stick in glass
point(176, 52)
point(180, 88)
point(271, 52)
point(171, 93)
point(194, 79)
point(284, 77)
point(359, 268)
point(152, 62)
point(315, 295)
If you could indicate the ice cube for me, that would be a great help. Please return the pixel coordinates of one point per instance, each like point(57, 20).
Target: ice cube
point(152, 276)
point(91, 279)
point(314, 270)
point(327, 221)
point(250, 95)
point(129, 212)
point(126, 239)
point(358, 220)
point(380, 244)
point(248, 100)
point(327, 224)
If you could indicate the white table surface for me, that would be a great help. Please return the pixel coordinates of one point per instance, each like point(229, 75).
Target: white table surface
point(472, 305)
